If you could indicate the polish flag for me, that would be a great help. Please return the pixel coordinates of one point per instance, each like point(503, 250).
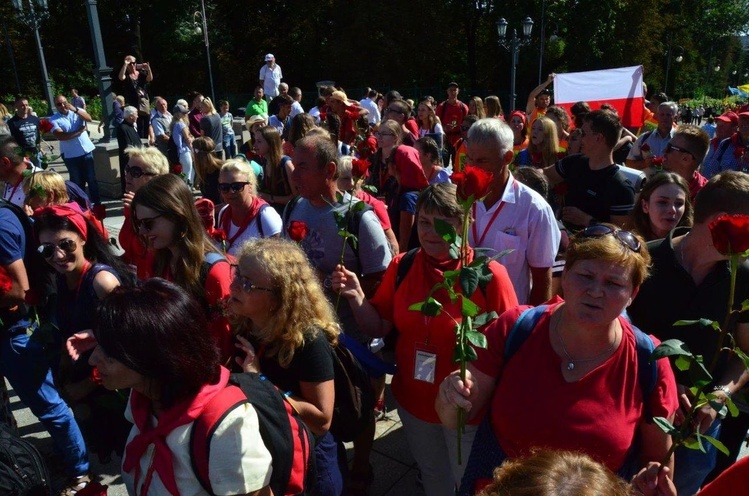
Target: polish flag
point(621, 88)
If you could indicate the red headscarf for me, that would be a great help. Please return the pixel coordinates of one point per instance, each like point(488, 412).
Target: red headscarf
point(71, 211)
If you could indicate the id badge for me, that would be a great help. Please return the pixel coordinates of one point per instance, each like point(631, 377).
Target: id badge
point(425, 363)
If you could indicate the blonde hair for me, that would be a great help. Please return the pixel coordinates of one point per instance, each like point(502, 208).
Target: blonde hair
point(550, 147)
point(479, 103)
point(276, 177)
point(43, 183)
point(206, 162)
point(242, 167)
point(208, 104)
point(152, 158)
point(302, 309)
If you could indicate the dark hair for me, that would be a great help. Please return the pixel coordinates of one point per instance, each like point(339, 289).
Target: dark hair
point(372, 93)
point(605, 122)
point(660, 97)
point(579, 110)
point(9, 149)
point(333, 125)
point(534, 178)
point(392, 96)
point(96, 250)
point(295, 91)
point(325, 150)
point(300, 125)
point(158, 330)
point(320, 101)
point(429, 146)
point(285, 100)
point(561, 114)
point(221, 103)
point(642, 220)
point(19, 99)
point(727, 192)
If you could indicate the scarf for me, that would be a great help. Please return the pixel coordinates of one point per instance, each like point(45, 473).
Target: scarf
point(254, 210)
point(182, 413)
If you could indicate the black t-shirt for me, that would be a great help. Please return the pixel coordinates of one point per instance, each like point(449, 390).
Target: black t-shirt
point(313, 362)
point(670, 294)
point(134, 89)
point(212, 128)
point(600, 193)
point(620, 155)
point(25, 131)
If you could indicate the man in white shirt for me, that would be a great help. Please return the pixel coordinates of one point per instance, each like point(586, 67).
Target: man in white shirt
point(296, 107)
point(370, 106)
point(270, 77)
point(512, 216)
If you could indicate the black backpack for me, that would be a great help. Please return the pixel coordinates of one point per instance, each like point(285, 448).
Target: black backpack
point(354, 397)
point(22, 469)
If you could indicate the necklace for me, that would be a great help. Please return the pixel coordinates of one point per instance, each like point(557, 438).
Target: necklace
point(571, 361)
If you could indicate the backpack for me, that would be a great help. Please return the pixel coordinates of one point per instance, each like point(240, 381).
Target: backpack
point(285, 435)
point(172, 154)
point(354, 397)
point(22, 469)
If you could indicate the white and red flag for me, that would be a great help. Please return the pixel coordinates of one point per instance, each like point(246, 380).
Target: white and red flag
point(621, 88)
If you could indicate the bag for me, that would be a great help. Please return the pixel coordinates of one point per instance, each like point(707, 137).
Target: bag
point(354, 396)
point(172, 153)
point(285, 435)
point(22, 469)
point(144, 107)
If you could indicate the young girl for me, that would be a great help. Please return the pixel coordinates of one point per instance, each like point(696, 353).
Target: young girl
point(277, 168)
point(664, 204)
point(543, 148)
point(429, 155)
point(428, 122)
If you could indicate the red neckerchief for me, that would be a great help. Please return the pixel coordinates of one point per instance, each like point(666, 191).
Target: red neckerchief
point(179, 414)
point(257, 204)
point(738, 146)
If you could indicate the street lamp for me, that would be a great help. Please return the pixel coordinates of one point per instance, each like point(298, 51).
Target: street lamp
point(32, 13)
point(670, 55)
point(204, 31)
point(513, 46)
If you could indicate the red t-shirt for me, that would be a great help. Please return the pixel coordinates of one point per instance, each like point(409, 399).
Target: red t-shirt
point(695, 185)
point(451, 116)
point(729, 482)
point(432, 334)
point(136, 253)
point(534, 406)
point(412, 126)
point(380, 209)
point(408, 165)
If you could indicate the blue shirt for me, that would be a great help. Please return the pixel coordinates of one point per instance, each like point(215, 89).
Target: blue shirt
point(71, 122)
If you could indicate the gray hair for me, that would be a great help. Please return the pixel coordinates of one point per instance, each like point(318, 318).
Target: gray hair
point(492, 132)
point(283, 85)
point(129, 110)
point(672, 105)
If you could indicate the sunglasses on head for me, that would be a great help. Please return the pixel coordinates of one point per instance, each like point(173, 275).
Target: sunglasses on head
point(135, 172)
point(47, 250)
point(146, 224)
point(670, 148)
point(246, 284)
point(234, 187)
point(626, 238)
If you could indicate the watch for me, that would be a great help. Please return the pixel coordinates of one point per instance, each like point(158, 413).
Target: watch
point(76, 110)
point(724, 389)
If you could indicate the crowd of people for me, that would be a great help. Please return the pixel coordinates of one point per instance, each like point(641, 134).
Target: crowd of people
point(605, 242)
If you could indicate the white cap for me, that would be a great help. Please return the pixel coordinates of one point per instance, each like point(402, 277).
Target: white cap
point(269, 56)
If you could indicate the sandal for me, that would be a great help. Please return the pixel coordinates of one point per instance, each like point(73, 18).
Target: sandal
point(75, 485)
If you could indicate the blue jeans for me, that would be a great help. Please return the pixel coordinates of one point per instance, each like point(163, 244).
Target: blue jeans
point(329, 478)
point(81, 170)
point(691, 467)
point(23, 363)
point(230, 145)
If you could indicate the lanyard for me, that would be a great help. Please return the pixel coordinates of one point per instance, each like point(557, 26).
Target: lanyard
point(13, 191)
point(479, 241)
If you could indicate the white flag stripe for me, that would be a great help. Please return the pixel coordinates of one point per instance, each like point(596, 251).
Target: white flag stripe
point(608, 84)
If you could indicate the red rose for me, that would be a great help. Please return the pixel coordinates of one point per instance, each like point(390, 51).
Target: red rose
point(219, 235)
point(99, 211)
point(95, 377)
point(562, 188)
point(645, 148)
point(473, 183)
point(45, 126)
point(658, 162)
point(359, 168)
point(6, 283)
point(177, 169)
point(367, 147)
point(730, 234)
point(298, 230)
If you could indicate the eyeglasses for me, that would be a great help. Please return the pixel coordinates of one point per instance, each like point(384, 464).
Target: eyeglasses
point(397, 111)
point(135, 172)
point(382, 135)
point(246, 284)
point(625, 237)
point(47, 250)
point(670, 148)
point(60, 104)
point(146, 224)
point(234, 187)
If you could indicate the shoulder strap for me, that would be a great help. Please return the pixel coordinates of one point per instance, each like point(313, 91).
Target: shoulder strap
point(404, 266)
point(205, 426)
point(647, 371)
point(722, 147)
point(260, 220)
point(646, 135)
point(287, 211)
point(209, 260)
point(522, 329)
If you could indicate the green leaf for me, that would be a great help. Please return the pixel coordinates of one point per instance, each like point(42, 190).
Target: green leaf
point(483, 319)
point(698, 373)
point(683, 362)
point(450, 276)
point(703, 322)
point(369, 188)
point(343, 233)
point(476, 338)
point(445, 230)
point(354, 240)
point(745, 305)
point(469, 280)
point(732, 408)
point(743, 356)
point(502, 254)
point(479, 261)
point(338, 197)
point(666, 426)
point(718, 406)
point(720, 446)
point(430, 307)
point(469, 308)
point(358, 206)
point(695, 443)
point(470, 354)
point(670, 347)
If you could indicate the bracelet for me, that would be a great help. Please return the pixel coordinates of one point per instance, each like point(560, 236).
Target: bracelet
point(76, 110)
point(725, 390)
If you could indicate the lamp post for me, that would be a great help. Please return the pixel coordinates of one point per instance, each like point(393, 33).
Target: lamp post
point(513, 46)
point(102, 72)
point(670, 55)
point(204, 31)
point(32, 13)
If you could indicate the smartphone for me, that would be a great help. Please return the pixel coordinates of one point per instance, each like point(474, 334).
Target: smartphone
point(139, 66)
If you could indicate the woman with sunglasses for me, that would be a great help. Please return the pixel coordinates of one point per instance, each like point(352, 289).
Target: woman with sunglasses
point(572, 369)
point(286, 328)
point(277, 168)
point(664, 205)
point(207, 167)
point(165, 216)
point(246, 216)
point(143, 164)
point(87, 272)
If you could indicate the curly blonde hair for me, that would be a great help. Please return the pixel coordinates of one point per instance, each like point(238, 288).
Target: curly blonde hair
point(301, 309)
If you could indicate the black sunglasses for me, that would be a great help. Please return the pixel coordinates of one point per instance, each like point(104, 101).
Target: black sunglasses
point(146, 224)
point(670, 148)
point(625, 237)
point(246, 284)
point(135, 172)
point(47, 250)
point(234, 187)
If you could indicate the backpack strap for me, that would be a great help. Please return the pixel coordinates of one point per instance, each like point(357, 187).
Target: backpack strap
point(722, 147)
point(405, 265)
point(647, 371)
point(260, 220)
point(522, 329)
point(289, 208)
point(205, 426)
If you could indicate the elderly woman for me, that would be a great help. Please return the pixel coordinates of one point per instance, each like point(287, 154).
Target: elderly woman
point(415, 388)
point(570, 369)
point(143, 164)
point(127, 136)
point(172, 368)
point(246, 216)
point(286, 329)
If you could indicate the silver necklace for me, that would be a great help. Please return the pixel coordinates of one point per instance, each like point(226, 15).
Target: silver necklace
point(571, 361)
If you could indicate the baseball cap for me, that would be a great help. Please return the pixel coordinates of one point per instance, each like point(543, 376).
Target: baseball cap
point(729, 117)
point(179, 108)
point(269, 56)
point(745, 115)
point(452, 83)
